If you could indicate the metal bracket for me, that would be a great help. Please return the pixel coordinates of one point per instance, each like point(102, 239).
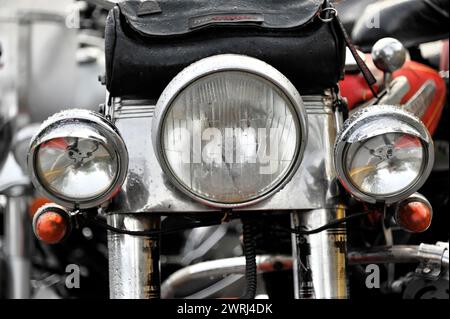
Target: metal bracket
point(433, 255)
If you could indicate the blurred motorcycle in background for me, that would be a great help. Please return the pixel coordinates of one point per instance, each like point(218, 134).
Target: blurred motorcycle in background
point(48, 64)
point(120, 186)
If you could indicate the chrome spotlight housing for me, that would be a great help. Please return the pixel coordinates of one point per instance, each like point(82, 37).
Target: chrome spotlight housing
point(78, 159)
point(214, 124)
point(383, 154)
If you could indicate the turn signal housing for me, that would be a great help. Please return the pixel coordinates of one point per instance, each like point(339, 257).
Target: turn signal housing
point(414, 214)
point(52, 223)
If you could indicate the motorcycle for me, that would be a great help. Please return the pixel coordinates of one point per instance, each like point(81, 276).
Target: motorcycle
point(217, 113)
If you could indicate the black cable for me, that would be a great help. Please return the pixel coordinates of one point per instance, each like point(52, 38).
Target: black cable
point(151, 233)
point(331, 224)
point(249, 241)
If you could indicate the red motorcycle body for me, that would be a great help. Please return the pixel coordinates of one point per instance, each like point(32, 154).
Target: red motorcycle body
point(356, 90)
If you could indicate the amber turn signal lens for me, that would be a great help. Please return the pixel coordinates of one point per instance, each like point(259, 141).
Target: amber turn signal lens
point(414, 216)
point(51, 224)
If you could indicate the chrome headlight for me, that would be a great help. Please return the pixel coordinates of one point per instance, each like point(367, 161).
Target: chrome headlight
point(78, 159)
point(229, 130)
point(383, 154)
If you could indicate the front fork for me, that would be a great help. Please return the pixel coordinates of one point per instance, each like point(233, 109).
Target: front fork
point(134, 270)
point(17, 246)
point(319, 259)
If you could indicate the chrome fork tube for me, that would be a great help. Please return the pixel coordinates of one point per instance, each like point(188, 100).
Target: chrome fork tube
point(17, 247)
point(134, 260)
point(319, 260)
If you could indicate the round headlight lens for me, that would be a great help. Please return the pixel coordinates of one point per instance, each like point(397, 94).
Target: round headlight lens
point(78, 159)
point(230, 136)
point(234, 113)
point(385, 164)
point(76, 168)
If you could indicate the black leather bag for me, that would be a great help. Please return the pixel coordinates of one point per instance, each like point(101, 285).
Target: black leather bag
point(148, 43)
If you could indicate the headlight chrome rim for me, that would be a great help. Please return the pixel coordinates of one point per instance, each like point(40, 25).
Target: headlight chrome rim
point(406, 123)
point(109, 134)
point(226, 63)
